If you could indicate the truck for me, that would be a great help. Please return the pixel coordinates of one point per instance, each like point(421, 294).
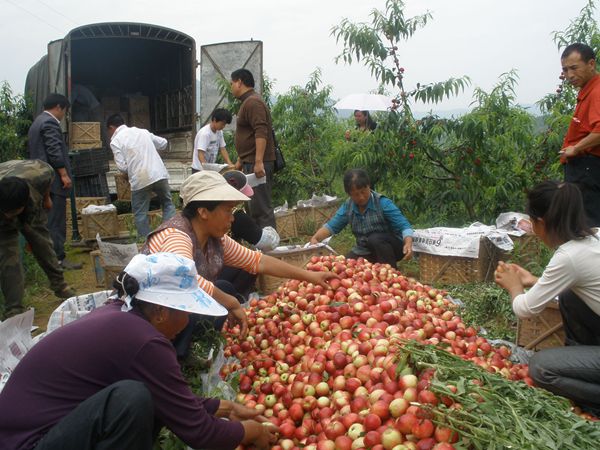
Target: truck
point(146, 72)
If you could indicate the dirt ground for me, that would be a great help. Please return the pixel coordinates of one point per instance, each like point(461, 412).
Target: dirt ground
point(83, 281)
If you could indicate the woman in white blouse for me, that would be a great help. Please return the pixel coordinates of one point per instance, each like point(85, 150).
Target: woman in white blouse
point(573, 274)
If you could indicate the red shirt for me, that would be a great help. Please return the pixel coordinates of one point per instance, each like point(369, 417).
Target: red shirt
point(586, 118)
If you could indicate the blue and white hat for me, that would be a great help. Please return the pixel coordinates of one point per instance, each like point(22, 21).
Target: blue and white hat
point(171, 280)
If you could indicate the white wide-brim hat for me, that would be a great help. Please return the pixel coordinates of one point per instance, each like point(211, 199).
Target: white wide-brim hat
point(207, 185)
point(171, 280)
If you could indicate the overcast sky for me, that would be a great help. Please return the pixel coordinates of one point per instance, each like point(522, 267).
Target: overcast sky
point(478, 38)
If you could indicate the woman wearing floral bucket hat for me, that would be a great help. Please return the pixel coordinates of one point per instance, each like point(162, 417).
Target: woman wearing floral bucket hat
point(111, 379)
point(200, 231)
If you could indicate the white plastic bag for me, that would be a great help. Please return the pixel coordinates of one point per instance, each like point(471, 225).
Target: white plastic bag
point(268, 240)
point(212, 383)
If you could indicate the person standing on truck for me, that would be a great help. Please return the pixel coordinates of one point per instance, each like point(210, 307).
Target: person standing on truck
point(136, 154)
point(254, 144)
point(209, 140)
point(46, 143)
point(581, 148)
point(24, 199)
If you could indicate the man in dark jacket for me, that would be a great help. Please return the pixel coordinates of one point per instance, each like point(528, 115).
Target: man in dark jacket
point(46, 143)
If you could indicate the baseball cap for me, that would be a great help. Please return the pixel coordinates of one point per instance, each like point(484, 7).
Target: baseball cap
point(170, 280)
point(239, 181)
point(208, 185)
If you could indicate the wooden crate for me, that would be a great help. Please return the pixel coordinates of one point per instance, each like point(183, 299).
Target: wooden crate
point(111, 103)
point(439, 269)
point(82, 202)
point(104, 223)
point(84, 132)
point(542, 331)
point(310, 219)
point(296, 256)
point(123, 187)
point(136, 104)
point(86, 145)
point(140, 120)
point(286, 224)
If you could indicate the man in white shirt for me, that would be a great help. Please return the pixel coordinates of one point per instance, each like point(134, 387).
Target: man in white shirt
point(136, 154)
point(210, 139)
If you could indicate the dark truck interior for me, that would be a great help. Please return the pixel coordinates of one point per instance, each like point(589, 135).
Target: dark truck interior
point(142, 71)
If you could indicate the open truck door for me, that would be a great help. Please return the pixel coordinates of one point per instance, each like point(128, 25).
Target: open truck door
point(48, 75)
point(217, 61)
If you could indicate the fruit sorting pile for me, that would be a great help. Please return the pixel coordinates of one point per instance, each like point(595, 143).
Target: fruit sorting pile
point(381, 361)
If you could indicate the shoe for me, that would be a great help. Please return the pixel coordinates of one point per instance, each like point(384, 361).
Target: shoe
point(66, 292)
point(65, 264)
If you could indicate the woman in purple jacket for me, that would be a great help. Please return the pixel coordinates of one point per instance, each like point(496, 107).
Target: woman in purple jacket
point(111, 380)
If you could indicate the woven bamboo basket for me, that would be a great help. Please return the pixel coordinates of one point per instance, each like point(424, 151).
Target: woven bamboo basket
point(527, 250)
point(542, 331)
point(310, 219)
point(439, 269)
point(286, 224)
point(104, 223)
point(297, 256)
point(123, 187)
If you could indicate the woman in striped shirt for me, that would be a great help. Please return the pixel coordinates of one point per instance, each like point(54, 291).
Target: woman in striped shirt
point(199, 233)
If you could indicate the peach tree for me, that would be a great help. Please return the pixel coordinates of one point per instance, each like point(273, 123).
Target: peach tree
point(306, 128)
point(15, 119)
point(446, 171)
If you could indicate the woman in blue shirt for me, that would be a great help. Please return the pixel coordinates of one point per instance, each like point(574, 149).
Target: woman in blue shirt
point(382, 232)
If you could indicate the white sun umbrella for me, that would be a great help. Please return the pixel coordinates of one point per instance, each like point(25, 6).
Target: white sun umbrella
point(365, 102)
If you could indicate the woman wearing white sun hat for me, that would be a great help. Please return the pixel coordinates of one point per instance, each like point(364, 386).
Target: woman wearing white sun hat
point(111, 379)
point(200, 231)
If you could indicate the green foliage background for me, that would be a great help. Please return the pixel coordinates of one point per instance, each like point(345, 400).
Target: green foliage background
point(15, 119)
